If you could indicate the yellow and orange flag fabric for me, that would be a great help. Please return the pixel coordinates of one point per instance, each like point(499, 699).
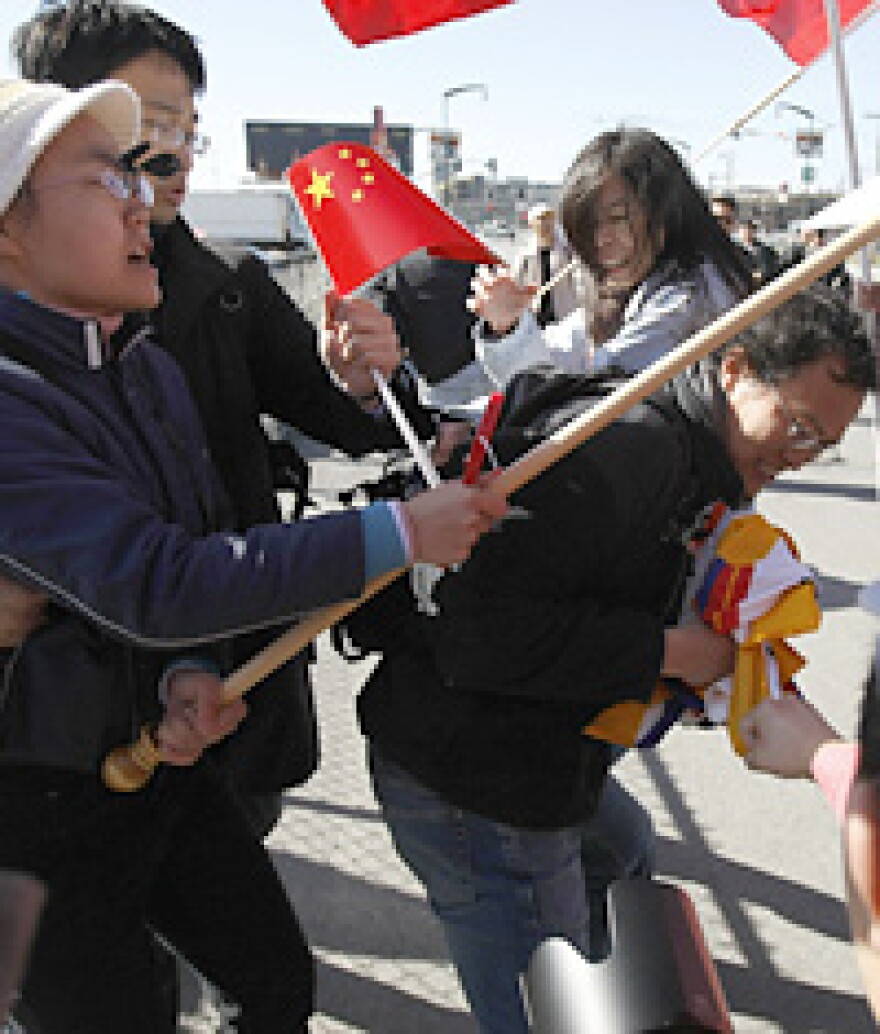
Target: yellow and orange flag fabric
point(750, 584)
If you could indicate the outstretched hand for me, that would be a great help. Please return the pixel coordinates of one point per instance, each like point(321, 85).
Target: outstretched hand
point(782, 736)
point(498, 299)
point(446, 522)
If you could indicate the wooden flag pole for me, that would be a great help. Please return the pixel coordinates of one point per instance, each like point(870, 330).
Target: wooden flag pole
point(130, 767)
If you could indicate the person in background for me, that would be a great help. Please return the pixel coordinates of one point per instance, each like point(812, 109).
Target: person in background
point(838, 278)
point(764, 260)
point(543, 258)
point(426, 298)
point(662, 265)
point(244, 347)
point(724, 209)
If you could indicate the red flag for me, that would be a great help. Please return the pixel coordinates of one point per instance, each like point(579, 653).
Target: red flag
point(800, 27)
point(364, 215)
point(368, 21)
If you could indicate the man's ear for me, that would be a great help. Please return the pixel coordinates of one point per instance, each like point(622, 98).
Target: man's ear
point(9, 247)
point(733, 366)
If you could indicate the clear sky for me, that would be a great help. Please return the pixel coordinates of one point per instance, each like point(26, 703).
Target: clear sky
point(557, 72)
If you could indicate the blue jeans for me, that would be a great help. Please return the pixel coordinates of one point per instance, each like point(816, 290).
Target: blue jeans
point(500, 891)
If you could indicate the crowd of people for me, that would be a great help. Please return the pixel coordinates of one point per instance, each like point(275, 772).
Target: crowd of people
point(143, 558)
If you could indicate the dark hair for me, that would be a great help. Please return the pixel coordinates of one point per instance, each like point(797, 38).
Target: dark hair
point(813, 324)
point(670, 198)
point(83, 41)
point(869, 726)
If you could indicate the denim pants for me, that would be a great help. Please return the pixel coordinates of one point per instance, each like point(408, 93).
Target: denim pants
point(500, 891)
point(176, 857)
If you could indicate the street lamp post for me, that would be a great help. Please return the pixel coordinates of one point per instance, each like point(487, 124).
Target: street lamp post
point(812, 146)
point(448, 94)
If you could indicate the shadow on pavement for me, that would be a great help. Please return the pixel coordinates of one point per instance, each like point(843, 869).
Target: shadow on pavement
point(321, 807)
point(345, 913)
point(367, 1005)
point(355, 918)
point(758, 988)
point(836, 593)
point(768, 996)
point(732, 883)
point(859, 493)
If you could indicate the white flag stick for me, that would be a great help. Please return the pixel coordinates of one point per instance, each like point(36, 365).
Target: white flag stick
point(419, 452)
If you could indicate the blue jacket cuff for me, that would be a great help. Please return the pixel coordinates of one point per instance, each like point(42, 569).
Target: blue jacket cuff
point(384, 548)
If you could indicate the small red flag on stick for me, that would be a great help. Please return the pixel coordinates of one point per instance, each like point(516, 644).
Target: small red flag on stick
point(364, 215)
point(800, 27)
point(369, 21)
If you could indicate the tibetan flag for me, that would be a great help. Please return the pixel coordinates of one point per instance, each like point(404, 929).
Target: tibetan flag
point(800, 27)
point(369, 21)
point(749, 584)
point(364, 215)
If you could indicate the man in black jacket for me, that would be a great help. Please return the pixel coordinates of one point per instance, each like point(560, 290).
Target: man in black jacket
point(244, 347)
point(475, 718)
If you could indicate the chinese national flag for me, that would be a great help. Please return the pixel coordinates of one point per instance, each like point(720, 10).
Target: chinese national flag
point(800, 27)
point(364, 215)
point(368, 21)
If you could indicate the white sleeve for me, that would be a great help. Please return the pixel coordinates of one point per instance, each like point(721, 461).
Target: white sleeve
point(563, 345)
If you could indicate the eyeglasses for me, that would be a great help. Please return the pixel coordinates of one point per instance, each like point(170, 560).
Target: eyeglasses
point(800, 435)
point(173, 138)
point(121, 184)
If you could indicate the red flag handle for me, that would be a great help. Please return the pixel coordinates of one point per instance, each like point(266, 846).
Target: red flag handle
point(479, 446)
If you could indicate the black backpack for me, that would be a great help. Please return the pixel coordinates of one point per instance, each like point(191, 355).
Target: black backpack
point(537, 402)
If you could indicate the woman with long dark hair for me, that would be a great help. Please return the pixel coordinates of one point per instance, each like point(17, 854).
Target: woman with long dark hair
point(663, 266)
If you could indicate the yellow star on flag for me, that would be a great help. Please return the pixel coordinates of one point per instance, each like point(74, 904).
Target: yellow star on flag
point(319, 188)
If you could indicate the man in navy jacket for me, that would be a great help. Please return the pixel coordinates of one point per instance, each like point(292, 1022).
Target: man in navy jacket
point(108, 503)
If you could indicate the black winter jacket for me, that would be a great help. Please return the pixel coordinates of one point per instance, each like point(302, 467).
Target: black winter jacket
point(246, 350)
point(555, 618)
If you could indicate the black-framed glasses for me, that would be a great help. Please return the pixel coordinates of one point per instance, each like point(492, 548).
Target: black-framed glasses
point(800, 435)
